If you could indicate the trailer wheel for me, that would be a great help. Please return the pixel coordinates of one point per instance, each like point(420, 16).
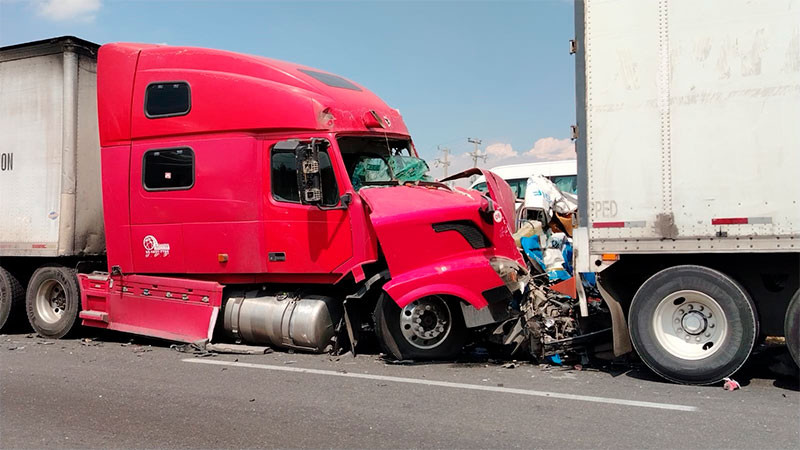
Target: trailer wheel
point(12, 295)
point(791, 327)
point(692, 324)
point(425, 329)
point(53, 301)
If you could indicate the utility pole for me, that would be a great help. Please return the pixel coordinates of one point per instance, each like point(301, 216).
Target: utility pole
point(476, 154)
point(444, 161)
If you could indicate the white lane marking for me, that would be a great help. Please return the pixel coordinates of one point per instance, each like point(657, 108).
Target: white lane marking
point(448, 384)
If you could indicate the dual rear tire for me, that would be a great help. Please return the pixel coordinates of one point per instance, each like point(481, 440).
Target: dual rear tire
point(693, 325)
point(53, 301)
point(12, 296)
point(791, 327)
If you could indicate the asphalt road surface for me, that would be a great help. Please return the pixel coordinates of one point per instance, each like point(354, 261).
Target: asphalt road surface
point(109, 392)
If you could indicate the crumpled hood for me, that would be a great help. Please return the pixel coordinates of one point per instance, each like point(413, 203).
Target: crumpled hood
point(403, 218)
point(414, 203)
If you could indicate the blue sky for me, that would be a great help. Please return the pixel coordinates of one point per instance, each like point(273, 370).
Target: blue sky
point(498, 71)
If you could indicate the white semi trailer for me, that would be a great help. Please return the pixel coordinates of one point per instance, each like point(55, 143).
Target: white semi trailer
point(688, 144)
point(50, 185)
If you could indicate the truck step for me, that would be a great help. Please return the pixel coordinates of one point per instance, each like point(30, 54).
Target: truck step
point(98, 316)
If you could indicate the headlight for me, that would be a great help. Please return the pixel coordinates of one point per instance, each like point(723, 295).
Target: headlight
point(513, 275)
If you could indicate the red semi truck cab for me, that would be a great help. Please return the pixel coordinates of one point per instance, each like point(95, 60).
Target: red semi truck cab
point(278, 204)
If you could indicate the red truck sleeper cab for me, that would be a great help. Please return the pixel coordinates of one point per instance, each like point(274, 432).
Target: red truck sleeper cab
point(200, 184)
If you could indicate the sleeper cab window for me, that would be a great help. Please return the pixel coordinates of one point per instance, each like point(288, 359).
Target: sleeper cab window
point(284, 178)
point(169, 169)
point(167, 99)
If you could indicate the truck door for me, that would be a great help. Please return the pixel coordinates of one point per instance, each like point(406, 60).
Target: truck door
point(305, 239)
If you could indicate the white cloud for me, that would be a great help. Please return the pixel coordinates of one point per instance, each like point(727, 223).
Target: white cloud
point(500, 151)
point(552, 149)
point(61, 10)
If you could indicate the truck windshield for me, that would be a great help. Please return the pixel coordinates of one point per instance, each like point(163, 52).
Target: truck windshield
point(379, 161)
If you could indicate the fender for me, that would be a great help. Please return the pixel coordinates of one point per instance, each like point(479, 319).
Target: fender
point(464, 278)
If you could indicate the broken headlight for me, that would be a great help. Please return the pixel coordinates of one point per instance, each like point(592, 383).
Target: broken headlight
point(513, 275)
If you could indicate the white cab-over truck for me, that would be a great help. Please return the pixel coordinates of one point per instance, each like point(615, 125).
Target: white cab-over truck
point(688, 144)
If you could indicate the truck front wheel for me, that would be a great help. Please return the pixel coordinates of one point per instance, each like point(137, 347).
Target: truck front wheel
point(11, 295)
point(692, 324)
point(428, 328)
point(53, 301)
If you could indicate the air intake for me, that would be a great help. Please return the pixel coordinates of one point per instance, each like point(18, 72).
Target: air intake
point(468, 230)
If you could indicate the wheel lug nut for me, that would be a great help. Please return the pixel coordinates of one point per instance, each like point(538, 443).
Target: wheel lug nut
point(711, 325)
point(677, 320)
point(691, 307)
point(687, 338)
point(697, 339)
point(681, 312)
point(427, 307)
point(701, 307)
point(708, 334)
point(709, 314)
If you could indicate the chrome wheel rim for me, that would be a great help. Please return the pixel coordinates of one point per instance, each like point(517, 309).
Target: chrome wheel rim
point(426, 323)
point(690, 325)
point(51, 301)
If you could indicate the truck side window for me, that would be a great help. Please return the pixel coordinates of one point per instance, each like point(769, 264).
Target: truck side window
point(284, 178)
point(167, 99)
point(168, 169)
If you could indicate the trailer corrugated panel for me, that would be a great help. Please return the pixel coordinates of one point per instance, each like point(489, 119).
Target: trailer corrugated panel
point(691, 140)
point(50, 193)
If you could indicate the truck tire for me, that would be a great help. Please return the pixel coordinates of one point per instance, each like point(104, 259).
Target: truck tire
point(692, 324)
point(53, 301)
point(12, 295)
point(791, 327)
point(426, 329)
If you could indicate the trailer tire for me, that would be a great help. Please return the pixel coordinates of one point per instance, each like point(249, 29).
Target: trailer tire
point(791, 327)
point(12, 295)
point(53, 301)
point(692, 324)
point(391, 321)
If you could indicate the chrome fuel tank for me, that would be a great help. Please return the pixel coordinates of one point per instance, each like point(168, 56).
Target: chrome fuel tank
point(306, 323)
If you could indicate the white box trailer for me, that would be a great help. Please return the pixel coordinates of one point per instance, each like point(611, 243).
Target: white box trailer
point(688, 143)
point(50, 183)
point(50, 191)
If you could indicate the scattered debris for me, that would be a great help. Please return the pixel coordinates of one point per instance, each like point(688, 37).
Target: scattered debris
point(511, 365)
point(89, 342)
point(238, 349)
point(198, 347)
point(203, 348)
point(730, 384)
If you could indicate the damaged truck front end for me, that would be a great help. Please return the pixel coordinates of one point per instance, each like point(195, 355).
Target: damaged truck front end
point(452, 265)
